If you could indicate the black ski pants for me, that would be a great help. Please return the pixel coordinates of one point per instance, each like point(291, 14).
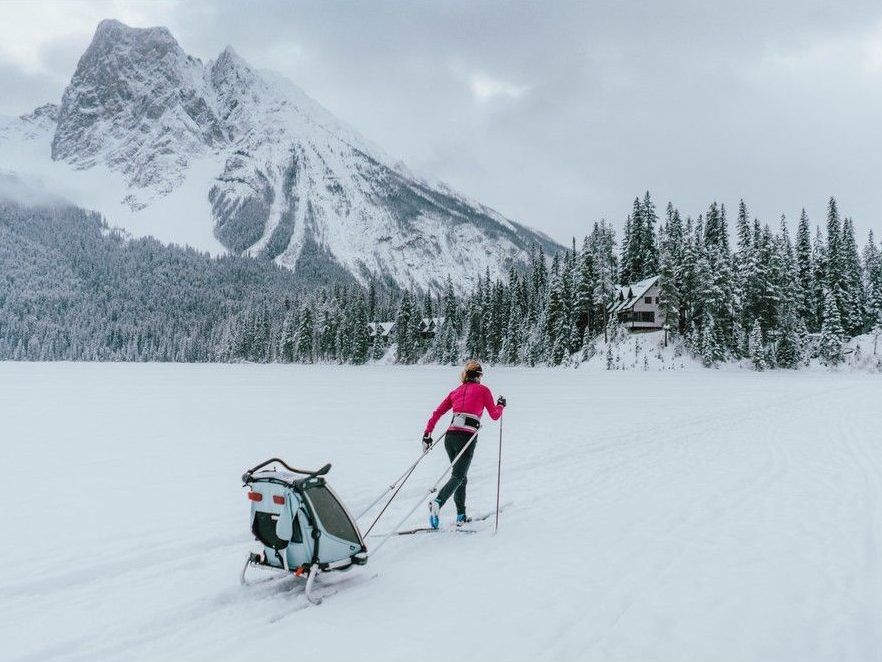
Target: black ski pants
point(454, 441)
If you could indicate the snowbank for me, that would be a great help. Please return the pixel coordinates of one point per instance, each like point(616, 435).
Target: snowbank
point(638, 351)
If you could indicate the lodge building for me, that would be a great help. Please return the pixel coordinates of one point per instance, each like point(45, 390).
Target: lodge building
point(636, 306)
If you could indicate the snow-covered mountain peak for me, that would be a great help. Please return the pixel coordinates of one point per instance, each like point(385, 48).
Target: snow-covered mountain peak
point(138, 104)
point(280, 177)
point(115, 34)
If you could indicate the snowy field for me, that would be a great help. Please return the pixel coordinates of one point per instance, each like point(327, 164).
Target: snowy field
point(679, 516)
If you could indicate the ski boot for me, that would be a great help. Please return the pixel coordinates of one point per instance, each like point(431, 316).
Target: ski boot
point(434, 507)
point(461, 519)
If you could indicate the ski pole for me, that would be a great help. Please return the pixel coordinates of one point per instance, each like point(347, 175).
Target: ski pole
point(403, 476)
point(498, 477)
point(433, 489)
point(400, 485)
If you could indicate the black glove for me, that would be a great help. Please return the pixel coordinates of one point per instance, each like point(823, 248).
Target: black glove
point(500, 401)
point(427, 442)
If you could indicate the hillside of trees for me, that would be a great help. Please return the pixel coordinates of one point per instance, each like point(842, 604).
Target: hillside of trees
point(73, 289)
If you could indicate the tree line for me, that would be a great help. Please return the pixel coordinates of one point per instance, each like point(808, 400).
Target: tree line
point(73, 289)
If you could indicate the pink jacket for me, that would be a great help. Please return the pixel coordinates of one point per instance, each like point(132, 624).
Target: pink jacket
point(468, 398)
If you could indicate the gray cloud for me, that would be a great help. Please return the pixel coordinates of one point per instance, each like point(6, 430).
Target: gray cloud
point(557, 114)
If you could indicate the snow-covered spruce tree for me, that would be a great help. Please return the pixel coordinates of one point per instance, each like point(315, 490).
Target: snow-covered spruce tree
point(286, 342)
point(872, 271)
point(304, 339)
point(499, 305)
point(403, 329)
point(833, 277)
point(819, 260)
point(452, 353)
point(805, 275)
point(757, 347)
point(589, 347)
point(584, 286)
point(853, 302)
point(360, 340)
point(648, 252)
point(768, 287)
point(719, 293)
point(742, 266)
point(418, 339)
point(539, 271)
point(790, 341)
point(377, 346)
point(711, 352)
point(832, 333)
point(557, 329)
point(475, 340)
point(671, 268)
point(690, 283)
point(327, 334)
point(639, 250)
point(626, 267)
point(450, 310)
point(876, 308)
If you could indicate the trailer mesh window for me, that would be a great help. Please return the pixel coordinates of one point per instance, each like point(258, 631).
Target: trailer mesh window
point(331, 514)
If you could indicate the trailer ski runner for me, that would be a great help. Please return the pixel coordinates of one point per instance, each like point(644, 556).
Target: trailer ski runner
point(300, 524)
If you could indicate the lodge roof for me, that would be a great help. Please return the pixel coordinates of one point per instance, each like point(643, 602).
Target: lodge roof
point(630, 294)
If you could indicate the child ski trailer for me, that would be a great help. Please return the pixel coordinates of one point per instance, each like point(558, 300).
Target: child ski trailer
point(468, 402)
point(300, 524)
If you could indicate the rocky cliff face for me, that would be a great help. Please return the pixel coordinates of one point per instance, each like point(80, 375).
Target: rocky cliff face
point(294, 184)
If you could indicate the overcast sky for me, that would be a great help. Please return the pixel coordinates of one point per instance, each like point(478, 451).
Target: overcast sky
point(555, 113)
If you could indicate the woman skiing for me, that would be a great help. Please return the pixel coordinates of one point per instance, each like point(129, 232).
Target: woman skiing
point(468, 401)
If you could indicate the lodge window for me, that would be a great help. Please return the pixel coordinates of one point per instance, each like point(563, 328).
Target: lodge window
point(638, 316)
point(647, 299)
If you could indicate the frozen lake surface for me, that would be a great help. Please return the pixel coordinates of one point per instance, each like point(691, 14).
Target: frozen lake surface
point(677, 516)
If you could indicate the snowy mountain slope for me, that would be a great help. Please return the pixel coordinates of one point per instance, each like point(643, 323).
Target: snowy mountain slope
point(288, 181)
point(723, 516)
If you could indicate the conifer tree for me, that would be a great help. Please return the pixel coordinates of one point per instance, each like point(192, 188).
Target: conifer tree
point(805, 274)
point(286, 342)
point(788, 350)
point(403, 329)
point(602, 242)
point(853, 302)
point(585, 287)
point(671, 268)
point(648, 255)
point(377, 347)
point(303, 341)
point(451, 307)
point(361, 342)
point(833, 280)
point(626, 265)
point(832, 333)
point(757, 349)
point(819, 260)
point(475, 341)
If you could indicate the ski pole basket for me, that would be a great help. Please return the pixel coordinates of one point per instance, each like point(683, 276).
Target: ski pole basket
point(299, 522)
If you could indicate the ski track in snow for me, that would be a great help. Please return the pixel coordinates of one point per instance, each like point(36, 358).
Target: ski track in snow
point(675, 516)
